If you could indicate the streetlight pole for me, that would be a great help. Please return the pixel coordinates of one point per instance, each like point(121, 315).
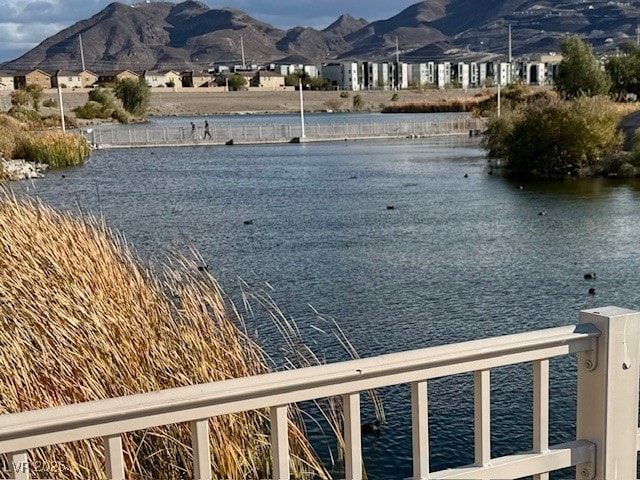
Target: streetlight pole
point(303, 135)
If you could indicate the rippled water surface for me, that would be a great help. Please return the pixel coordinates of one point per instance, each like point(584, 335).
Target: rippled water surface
point(456, 259)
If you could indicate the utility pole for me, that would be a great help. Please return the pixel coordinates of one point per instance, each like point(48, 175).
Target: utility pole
point(510, 55)
point(81, 52)
point(244, 63)
point(64, 129)
point(397, 65)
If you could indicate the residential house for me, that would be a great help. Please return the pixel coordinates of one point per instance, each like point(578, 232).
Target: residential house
point(74, 79)
point(115, 76)
point(33, 77)
point(268, 80)
point(191, 79)
point(6, 81)
point(163, 78)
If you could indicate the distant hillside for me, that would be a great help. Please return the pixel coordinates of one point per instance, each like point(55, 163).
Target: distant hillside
point(164, 35)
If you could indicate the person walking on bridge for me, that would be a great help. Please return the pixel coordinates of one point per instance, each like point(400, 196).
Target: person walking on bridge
point(207, 133)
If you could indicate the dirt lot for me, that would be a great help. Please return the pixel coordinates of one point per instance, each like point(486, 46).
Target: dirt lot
point(236, 102)
point(208, 102)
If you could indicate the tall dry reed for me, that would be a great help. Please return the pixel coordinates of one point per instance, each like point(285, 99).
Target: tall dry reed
point(56, 149)
point(81, 320)
point(10, 129)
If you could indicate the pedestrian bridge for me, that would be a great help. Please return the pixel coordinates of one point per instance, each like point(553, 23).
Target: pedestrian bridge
point(606, 341)
point(230, 134)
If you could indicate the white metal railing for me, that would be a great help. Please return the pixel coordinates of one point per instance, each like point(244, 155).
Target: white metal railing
point(247, 134)
point(607, 341)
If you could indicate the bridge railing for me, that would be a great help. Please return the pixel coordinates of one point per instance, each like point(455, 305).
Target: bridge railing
point(283, 133)
point(606, 341)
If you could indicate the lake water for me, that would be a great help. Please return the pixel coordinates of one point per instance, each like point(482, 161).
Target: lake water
point(456, 259)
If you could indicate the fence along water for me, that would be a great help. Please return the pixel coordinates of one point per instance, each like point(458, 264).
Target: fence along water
point(283, 133)
point(607, 342)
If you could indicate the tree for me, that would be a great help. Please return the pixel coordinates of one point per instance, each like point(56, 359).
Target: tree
point(319, 83)
point(624, 72)
point(35, 92)
point(553, 137)
point(292, 79)
point(357, 102)
point(579, 73)
point(134, 95)
point(237, 82)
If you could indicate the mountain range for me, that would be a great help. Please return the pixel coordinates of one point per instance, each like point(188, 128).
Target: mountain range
point(190, 35)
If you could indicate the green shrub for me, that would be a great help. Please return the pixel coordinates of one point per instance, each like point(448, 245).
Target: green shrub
point(103, 97)
point(344, 94)
point(30, 117)
point(357, 102)
point(56, 149)
point(627, 170)
point(91, 110)
point(134, 95)
point(53, 121)
point(552, 137)
point(49, 103)
point(120, 115)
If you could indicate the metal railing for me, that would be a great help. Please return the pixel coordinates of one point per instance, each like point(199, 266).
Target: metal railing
point(123, 137)
point(607, 341)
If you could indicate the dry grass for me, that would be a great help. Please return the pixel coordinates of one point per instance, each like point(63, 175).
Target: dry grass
point(10, 129)
point(453, 105)
point(80, 320)
point(56, 149)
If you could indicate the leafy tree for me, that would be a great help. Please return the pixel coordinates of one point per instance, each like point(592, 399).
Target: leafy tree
point(134, 95)
point(553, 137)
point(579, 73)
point(237, 82)
point(292, 79)
point(318, 83)
point(624, 71)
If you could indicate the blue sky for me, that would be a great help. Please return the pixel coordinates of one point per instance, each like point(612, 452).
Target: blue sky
point(25, 23)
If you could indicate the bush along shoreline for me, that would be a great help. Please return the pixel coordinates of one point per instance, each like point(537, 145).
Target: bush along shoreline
point(26, 142)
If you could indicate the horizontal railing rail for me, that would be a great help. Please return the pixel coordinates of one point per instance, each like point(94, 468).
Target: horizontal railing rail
point(196, 404)
point(255, 134)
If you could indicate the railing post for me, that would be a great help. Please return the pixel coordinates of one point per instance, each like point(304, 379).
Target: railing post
point(482, 417)
point(352, 437)
point(280, 442)
point(201, 450)
point(607, 412)
point(114, 459)
point(420, 430)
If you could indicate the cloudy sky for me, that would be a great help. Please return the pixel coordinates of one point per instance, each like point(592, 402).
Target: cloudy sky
point(25, 23)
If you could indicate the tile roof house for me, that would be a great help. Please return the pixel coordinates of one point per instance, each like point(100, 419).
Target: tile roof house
point(33, 77)
point(155, 78)
point(74, 79)
point(114, 76)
